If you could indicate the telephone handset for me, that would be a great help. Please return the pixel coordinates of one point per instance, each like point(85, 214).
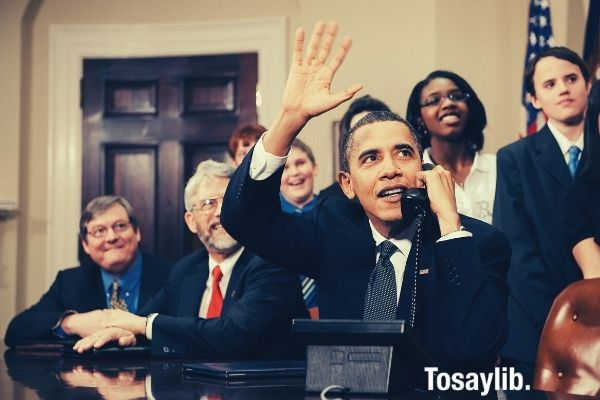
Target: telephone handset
point(414, 202)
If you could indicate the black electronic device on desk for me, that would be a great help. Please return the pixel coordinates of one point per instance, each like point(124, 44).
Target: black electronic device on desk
point(245, 371)
point(361, 356)
point(109, 351)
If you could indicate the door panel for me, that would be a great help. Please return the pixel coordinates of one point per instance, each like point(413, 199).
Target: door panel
point(131, 171)
point(148, 122)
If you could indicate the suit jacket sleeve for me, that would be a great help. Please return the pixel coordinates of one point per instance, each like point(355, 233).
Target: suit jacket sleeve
point(258, 314)
point(252, 214)
point(37, 321)
point(471, 295)
point(512, 218)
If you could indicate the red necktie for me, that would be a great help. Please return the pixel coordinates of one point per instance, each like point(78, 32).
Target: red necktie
point(216, 298)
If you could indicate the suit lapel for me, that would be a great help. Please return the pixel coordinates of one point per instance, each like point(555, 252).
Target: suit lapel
point(96, 296)
point(424, 267)
point(192, 289)
point(237, 273)
point(549, 156)
point(147, 281)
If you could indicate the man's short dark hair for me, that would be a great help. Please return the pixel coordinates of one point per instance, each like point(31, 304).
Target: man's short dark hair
point(473, 130)
point(98, 206)
point(362, 104)
point(560, 52)
point(305, 148)
point(370, 118)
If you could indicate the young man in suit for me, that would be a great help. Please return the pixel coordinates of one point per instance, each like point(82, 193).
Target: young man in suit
point(444, 277)
point(534, 176)
point(221, 301)
point(113, 274)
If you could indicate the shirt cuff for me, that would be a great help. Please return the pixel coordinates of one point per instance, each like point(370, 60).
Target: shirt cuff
point(149, 323)
point(455, 235)
point(57, 329)
point(264, 164)
point(148, 386)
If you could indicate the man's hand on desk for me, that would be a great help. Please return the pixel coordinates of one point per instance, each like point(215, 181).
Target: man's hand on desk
point(84, 324)
point(102, 337)
point(126, 320)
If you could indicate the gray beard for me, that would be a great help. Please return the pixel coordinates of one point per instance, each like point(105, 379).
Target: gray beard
point(225, 244)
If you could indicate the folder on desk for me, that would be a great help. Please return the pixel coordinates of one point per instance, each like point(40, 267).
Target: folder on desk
point(246, 370)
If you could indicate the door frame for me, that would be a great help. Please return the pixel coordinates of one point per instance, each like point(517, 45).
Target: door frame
point(70, 44)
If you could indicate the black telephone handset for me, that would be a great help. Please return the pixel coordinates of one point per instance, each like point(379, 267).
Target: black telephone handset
point(414, 202)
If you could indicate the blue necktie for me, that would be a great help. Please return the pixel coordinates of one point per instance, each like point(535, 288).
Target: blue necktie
point(573, 159)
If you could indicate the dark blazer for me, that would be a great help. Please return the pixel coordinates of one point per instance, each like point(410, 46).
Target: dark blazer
point(533, 182)
point(255, 322)
point(461, 294)
point(79, 289)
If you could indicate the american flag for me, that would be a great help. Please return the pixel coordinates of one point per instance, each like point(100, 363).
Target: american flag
point(539, 38)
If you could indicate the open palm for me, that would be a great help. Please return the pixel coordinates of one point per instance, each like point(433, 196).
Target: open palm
point(308, 89)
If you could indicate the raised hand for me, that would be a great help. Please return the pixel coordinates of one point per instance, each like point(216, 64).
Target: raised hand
point(308, 88)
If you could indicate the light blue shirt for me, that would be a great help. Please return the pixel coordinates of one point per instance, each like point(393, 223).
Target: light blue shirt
point(129, 283)
point(290, 208)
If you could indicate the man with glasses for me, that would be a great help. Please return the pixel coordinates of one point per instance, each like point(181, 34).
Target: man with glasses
point(221, 301)
point(113, 274)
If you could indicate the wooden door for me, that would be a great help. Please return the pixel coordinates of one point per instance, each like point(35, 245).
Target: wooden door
point(146, 125)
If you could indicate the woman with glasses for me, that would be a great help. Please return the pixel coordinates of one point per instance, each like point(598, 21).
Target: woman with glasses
point(449, 119)
point(583, 200)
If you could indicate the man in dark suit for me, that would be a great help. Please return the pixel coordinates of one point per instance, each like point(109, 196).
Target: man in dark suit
point(220, 302)
point(534, 176)
point(114, 273)
point(445, 277)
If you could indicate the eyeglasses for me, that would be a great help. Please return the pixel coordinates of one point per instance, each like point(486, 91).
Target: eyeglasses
point(101, 231)
point(207, 205)
point(454, 96)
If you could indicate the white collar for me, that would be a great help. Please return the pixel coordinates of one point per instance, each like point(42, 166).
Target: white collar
point(562, 140)
point(226, 265)
point(475, 166)
point(403, 241)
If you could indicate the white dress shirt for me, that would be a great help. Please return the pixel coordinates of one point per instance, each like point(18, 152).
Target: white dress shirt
point(264, 164)
point(476, 197)
point(226, 268)
point(565, 143)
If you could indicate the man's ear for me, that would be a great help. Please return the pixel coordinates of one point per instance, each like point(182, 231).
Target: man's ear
point(346, 184)
point(535, 102)
point(85, 246)
point(190, 221)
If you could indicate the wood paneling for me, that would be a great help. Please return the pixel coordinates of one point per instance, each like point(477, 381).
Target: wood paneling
point(131, 173)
